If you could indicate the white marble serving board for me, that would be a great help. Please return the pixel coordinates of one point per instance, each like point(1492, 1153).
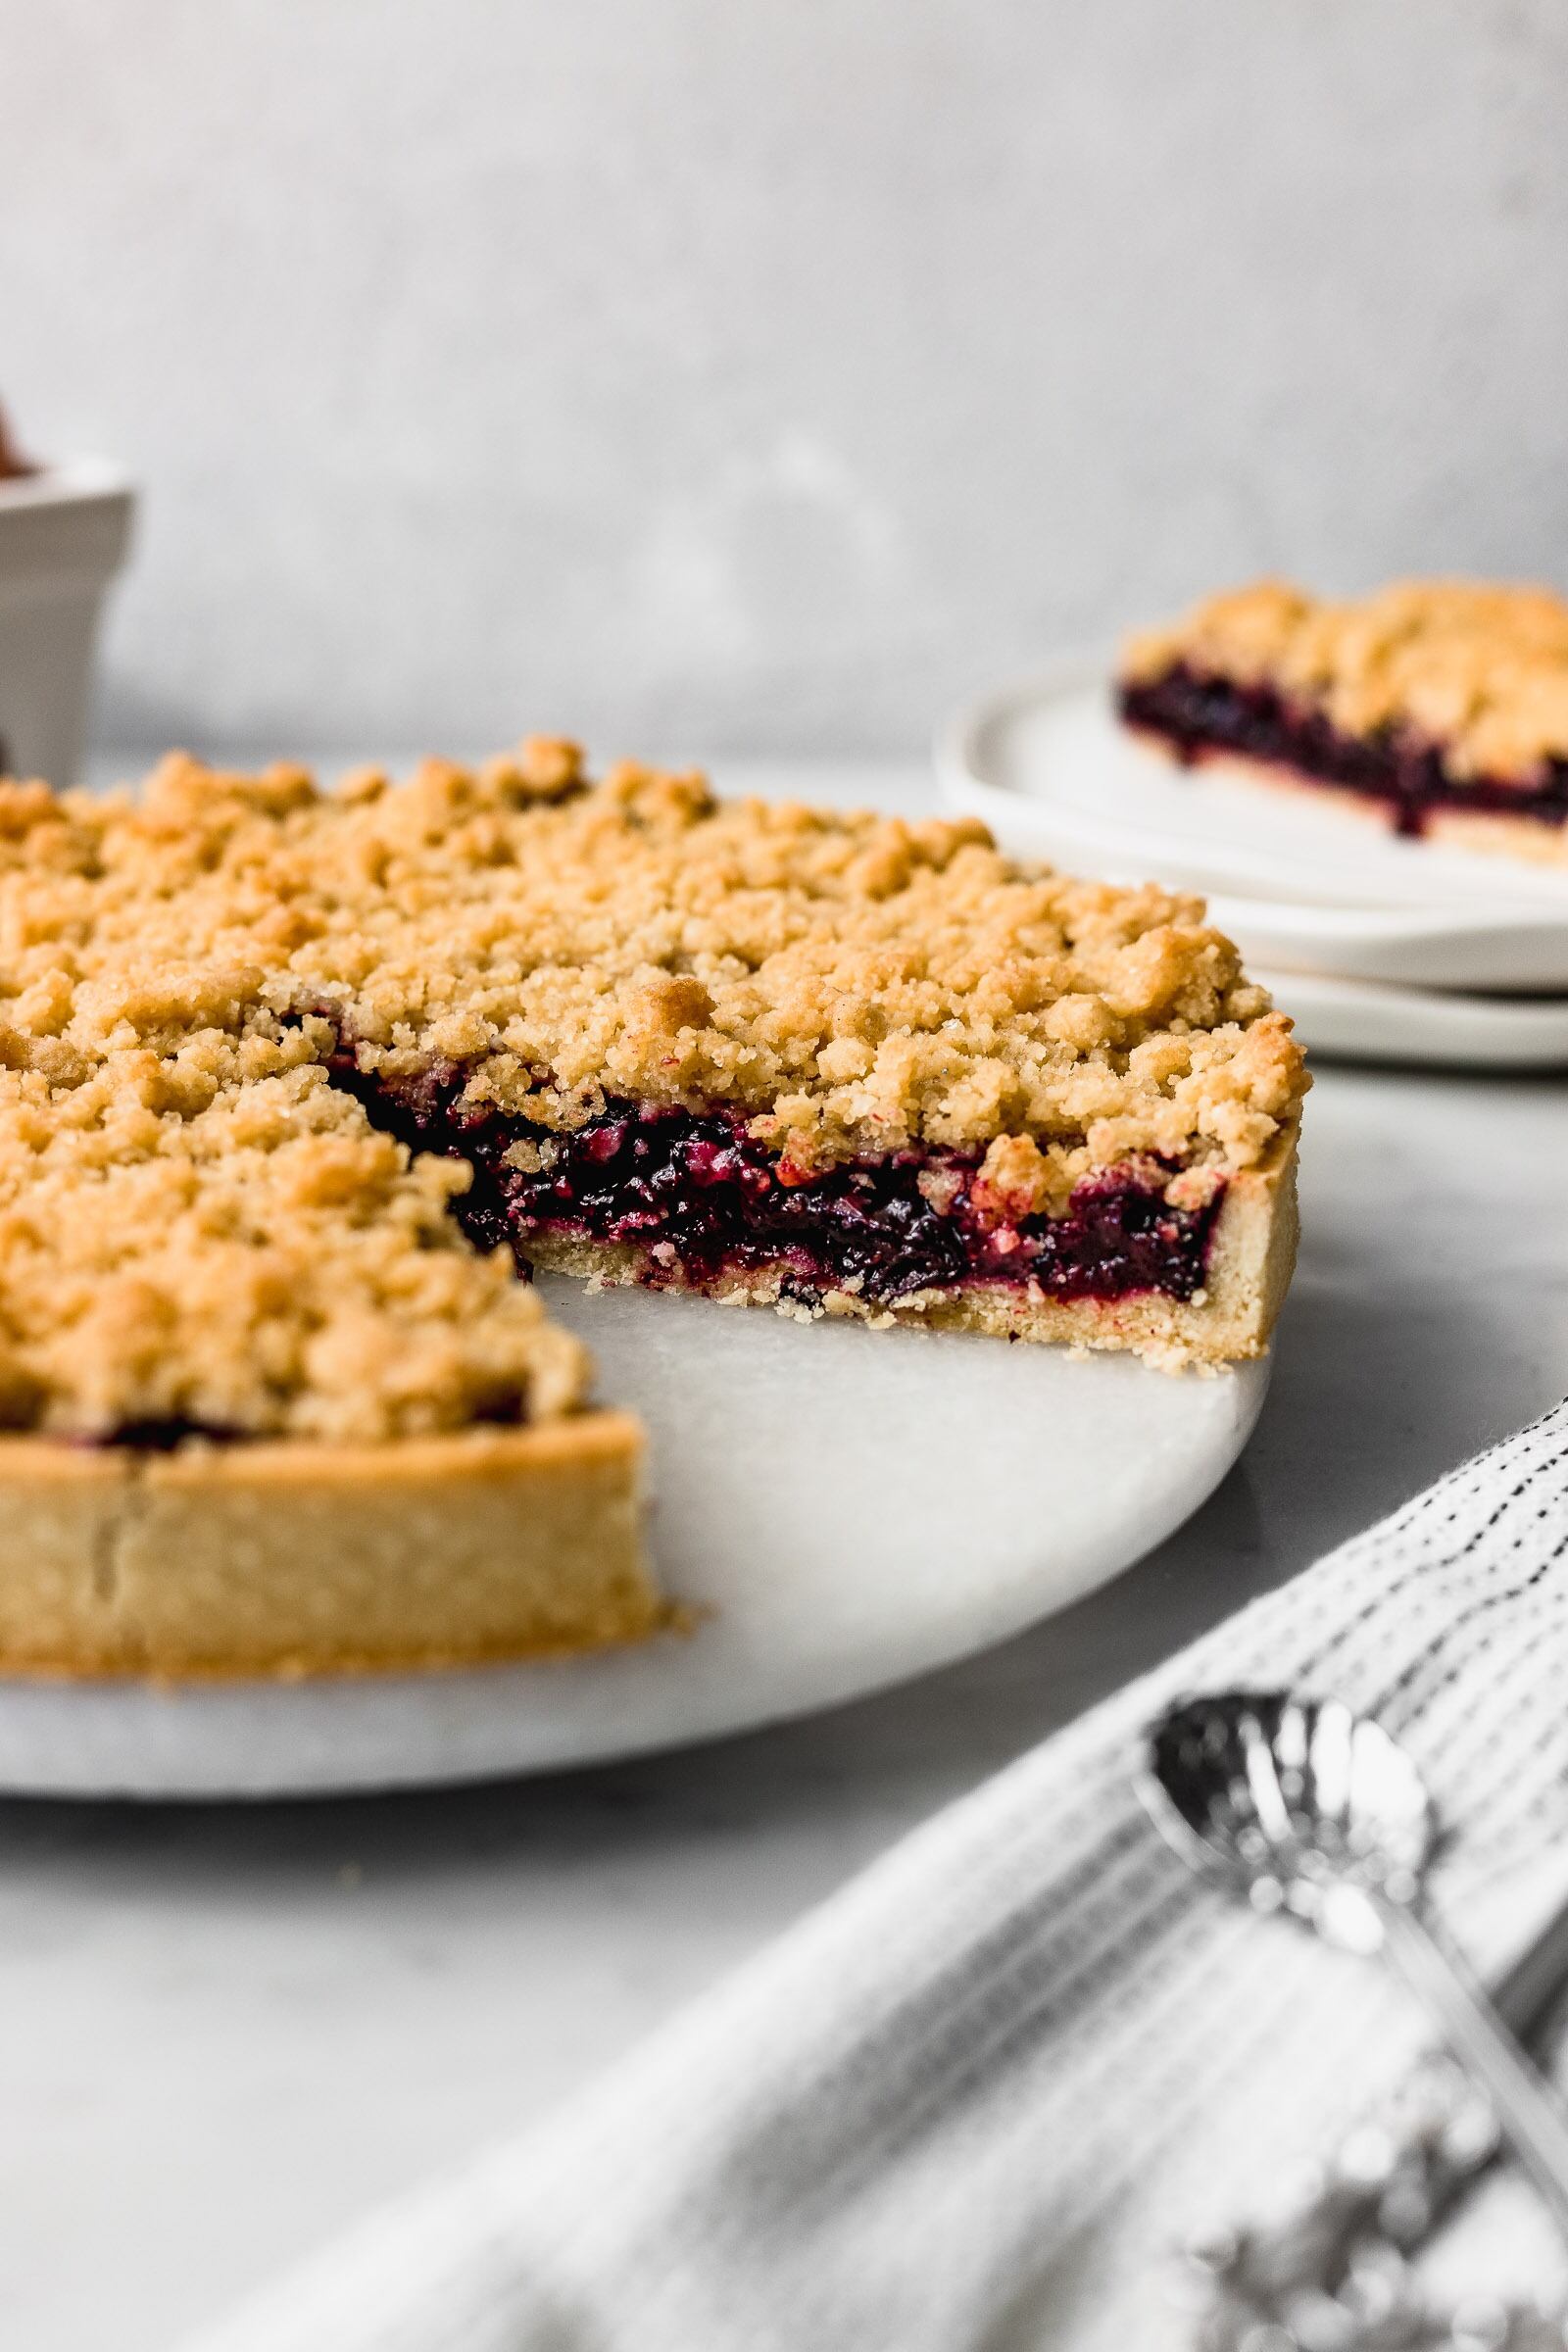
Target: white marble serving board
point(849, 1507)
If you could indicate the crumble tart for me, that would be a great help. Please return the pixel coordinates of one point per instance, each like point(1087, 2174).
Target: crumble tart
point(1439, 705)
point(294, 1084)
point(269, 1412)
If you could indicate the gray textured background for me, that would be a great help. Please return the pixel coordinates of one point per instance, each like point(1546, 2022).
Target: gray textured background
point(716, 374)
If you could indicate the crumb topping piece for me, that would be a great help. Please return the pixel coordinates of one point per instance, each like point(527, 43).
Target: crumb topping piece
point(196, 1225)
point(1480, 670)
point(217, 1239)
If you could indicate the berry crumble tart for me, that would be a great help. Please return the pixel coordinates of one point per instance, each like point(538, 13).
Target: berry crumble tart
point(1441, 706)
point(295, 1086)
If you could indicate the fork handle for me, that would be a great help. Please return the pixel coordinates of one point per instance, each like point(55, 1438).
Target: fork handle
point(1527, 2112)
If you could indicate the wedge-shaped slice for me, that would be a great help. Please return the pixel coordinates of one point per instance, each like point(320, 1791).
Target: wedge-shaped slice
point(834, 1063)
point(1441, 706)
point(1180, 1264)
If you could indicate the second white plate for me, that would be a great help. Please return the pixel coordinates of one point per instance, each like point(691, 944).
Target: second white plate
point(1367, 1020)
point(1299, 887)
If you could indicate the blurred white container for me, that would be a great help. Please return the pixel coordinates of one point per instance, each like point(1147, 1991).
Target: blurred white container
point(64, 533)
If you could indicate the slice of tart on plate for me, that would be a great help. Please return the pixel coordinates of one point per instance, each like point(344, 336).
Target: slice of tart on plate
point(1441, 706)
point(294, 1086)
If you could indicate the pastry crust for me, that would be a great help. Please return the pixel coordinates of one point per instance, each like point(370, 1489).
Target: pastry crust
point(1482, 832)
point(291, 1559)
point(1495, 835)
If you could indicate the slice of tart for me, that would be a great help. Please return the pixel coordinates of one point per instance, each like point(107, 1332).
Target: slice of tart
point(267, 1412)
point(838, 1064)
point(294, 1087)
point(1438, 706)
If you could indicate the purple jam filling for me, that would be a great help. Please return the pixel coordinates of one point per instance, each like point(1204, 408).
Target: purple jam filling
point(170, 1430)
point(696, 1188)
point(1197, 714)
point(167, 1432)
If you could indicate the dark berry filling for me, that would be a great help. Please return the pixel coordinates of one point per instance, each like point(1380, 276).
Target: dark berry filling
point(1197, 714)
point(707, 1200)
point(167, 1432)
point(170, 1430)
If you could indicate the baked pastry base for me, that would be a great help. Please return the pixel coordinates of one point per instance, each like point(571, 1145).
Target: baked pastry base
point(1480, 831)
point(292, 1559)
point(1251, 1256)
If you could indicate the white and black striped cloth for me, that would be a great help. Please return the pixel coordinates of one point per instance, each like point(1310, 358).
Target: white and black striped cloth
point(975, 2100)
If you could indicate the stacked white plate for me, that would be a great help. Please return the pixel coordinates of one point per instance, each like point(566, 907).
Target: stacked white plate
point(1382, 948)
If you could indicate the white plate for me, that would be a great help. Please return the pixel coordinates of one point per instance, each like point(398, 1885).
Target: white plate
point(853, 1506)
point(1364, 1020)
point(1296, 886)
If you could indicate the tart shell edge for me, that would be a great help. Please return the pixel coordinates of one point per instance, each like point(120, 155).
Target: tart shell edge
point(1250, 1261)
point(286, 1559)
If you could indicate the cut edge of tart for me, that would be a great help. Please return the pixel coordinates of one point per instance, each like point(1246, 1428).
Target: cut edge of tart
point(1246, 1267)
point(1436, 707)
point(1182, 1266)
point(294, 1084)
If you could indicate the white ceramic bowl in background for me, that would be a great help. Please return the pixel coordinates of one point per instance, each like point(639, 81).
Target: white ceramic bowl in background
point(64, 534)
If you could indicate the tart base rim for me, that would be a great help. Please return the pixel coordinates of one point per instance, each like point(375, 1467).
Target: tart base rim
point(290, 1560)
point(1488, 833)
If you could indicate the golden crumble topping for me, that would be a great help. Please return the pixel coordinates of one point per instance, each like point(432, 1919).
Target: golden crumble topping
point(216, 1237)
point(1480, 670)
point(196, 1225)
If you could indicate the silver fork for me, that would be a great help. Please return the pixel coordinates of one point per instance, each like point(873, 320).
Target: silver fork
point(1303, 1808)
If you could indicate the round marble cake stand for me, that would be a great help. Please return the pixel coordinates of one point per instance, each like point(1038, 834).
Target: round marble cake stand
point(849, 1507)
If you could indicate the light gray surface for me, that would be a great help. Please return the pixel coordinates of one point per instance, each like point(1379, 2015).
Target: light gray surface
point(220, 2041)
point(223, 2033)
point(691, 373)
